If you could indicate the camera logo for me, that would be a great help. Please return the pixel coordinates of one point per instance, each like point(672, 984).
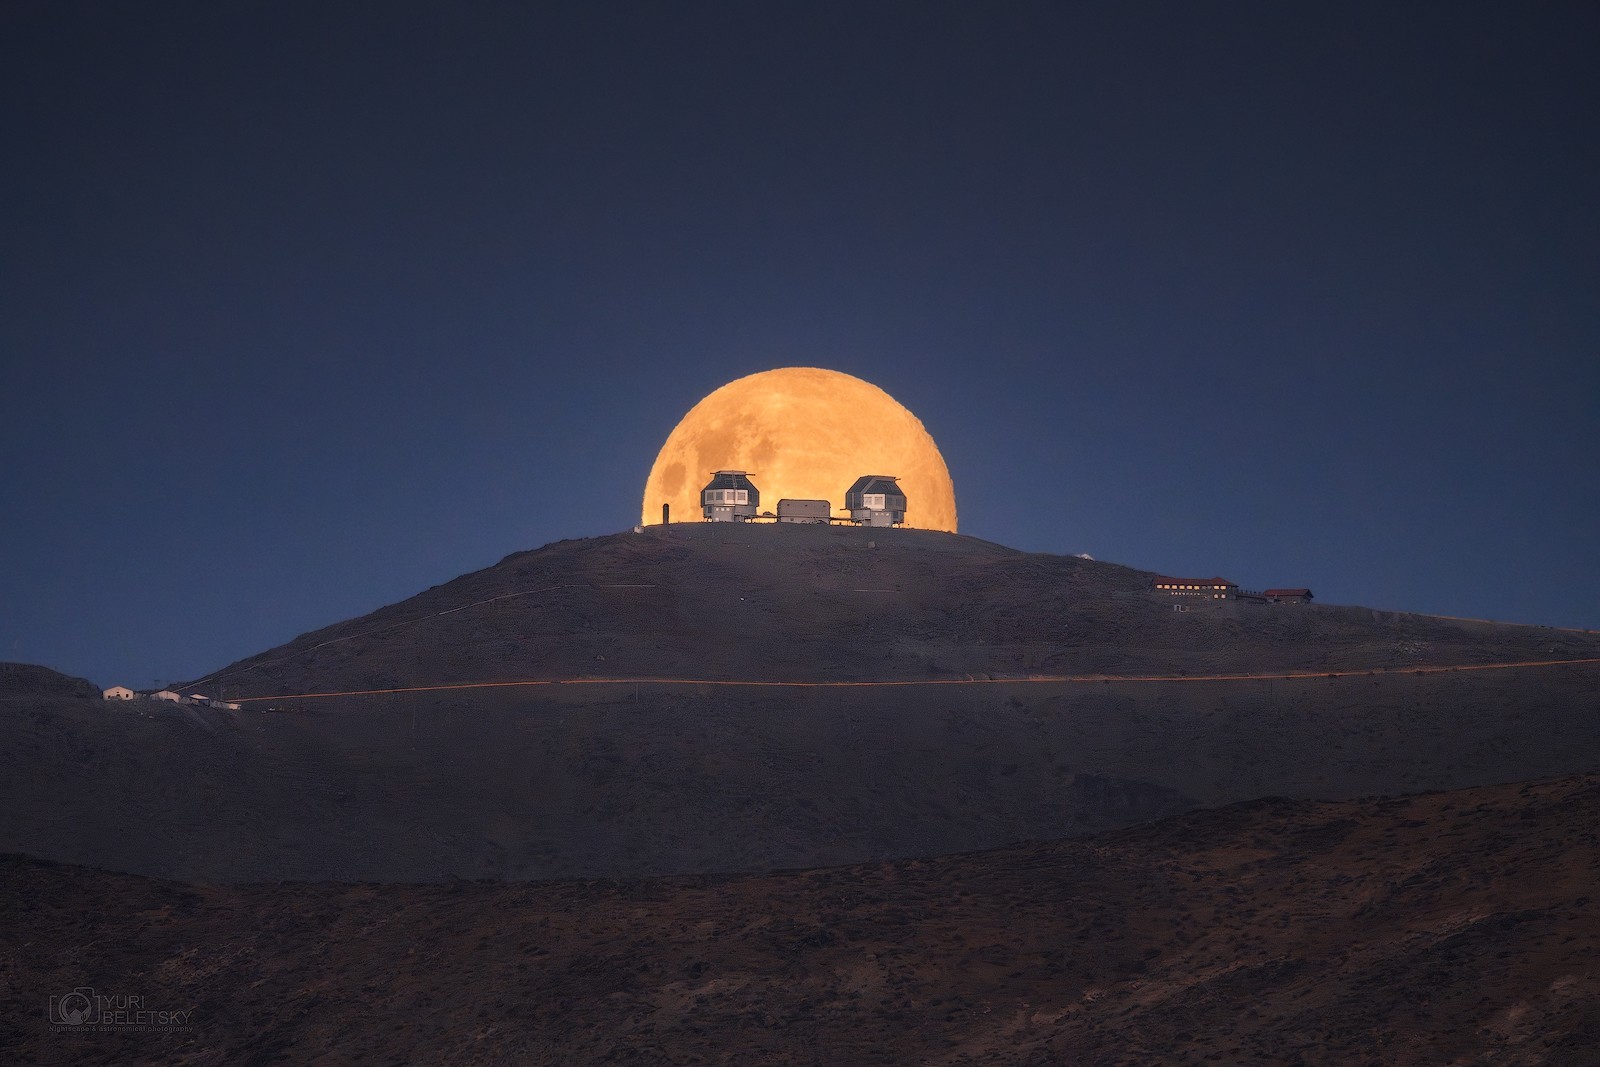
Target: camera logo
point(83, 1010)
point(78, 1008)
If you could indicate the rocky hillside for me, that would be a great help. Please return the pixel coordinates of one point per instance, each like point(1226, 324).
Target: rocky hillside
point(623, 780)
point(609, 780)
point(1439, 929)
point(724, 601)
point(23, 680)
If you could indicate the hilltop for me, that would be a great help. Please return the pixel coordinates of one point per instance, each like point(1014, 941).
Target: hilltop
point(803, 603)
point(626, 780)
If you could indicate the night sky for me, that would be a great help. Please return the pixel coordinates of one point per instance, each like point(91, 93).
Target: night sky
point(305, 307)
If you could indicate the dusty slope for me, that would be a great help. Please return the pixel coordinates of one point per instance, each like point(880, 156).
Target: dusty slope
point(1448, 928)
point(619, 781)
point(32, 680)
point(716, 600)
point(578, 781)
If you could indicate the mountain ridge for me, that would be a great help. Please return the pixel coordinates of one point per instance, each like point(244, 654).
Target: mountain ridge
point(798, 603)
point(631, 780)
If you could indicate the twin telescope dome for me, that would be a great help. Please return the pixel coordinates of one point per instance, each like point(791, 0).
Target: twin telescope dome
point(806, 434)
point(872, 500)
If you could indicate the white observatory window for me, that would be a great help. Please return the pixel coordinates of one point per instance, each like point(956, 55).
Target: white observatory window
point(872, 500)
point(740, 496)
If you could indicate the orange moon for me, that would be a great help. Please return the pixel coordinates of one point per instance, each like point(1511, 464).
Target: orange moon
point(801, 433)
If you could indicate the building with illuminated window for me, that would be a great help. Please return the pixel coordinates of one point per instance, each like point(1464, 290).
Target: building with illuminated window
point(1198, 588)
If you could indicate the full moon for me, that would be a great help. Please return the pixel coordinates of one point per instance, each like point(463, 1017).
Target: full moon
point(801, 433)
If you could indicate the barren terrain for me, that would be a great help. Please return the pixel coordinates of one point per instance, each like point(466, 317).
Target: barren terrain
point(803, 603)
point(1449, 928)
point(653, 865)
point(638, 779)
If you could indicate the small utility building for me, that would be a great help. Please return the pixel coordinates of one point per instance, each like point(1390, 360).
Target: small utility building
point(1287, 596)
point(814, 511)
point(729, 497)
point(118, 692)
point(876, 500)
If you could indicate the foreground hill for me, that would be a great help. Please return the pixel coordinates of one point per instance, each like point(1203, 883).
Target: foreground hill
point(1437, 929)
point(770, 602)
point(626, 780)
point(582, 781)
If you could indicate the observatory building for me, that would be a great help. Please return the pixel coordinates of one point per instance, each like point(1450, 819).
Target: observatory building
point(1206, 588)
point(876, 500)
point(729, 497)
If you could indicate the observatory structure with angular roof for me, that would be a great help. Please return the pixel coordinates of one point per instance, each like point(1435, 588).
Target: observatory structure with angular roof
point(876, 500)
point(730, 496)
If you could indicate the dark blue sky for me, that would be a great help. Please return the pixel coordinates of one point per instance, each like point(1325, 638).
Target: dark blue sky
point(309, 306)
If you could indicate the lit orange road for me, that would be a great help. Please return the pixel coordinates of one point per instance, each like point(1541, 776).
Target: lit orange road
point(1058, 679)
